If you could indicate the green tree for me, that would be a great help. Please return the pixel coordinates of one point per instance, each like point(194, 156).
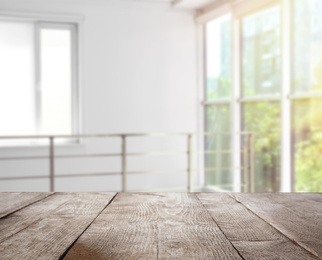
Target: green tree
point(308, 164)
point(263, 119)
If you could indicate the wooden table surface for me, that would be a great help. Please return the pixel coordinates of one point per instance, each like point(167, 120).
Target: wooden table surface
point(160, 226)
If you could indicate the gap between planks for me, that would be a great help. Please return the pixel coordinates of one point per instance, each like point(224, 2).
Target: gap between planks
point(279, 231)
point(67, 250)
point(58, 224)
point(219, 227)
point(154, 226)
point(24, 205)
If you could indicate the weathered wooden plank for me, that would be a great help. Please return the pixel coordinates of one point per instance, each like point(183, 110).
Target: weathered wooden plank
point(296, 220)
point(153, 226)
point(13, 201)
point(58, 204)
point(272, 250)
point(235, 220)
point(251, 236)
point(305, 205)
point(46, 229)
point(187, 231)
point(126, 229)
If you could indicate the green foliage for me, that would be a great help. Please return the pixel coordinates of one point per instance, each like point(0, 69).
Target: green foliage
point(218, 88)
point(262, 118)
point(307, 128)
point(308, 164)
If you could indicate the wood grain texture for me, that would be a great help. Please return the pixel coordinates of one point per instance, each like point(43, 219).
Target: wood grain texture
point(126, 229)
point(251, 236)
point(187, 231)
point(153, 226)
point(46, 229)
point(13, 201)
point(161, 226)
point(294, 215)
point(272, 250)
point(236, 221)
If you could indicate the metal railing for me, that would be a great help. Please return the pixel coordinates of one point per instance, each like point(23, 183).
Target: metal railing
point(245, 167)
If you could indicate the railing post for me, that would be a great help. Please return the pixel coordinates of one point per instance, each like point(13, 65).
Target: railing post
point(51, 164)
point(124, 163)
point(251, 163)
point(246, 179)
point(190, 158)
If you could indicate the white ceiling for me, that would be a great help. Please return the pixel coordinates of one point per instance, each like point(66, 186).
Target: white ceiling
point(186, 4)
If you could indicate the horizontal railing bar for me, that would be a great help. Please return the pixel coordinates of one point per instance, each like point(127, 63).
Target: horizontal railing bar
point(93, 155)
point(93, 174)
point(59, 176)
point(218, 168)
point(60, 156)
point(219, 151)
point(158, 153)
point(165, 189)
point(88, 155)
point(157, 190)
point(158, 171)
point(23, 158)
point(58, 136)
point(87, 174)
point(24, 177)
point(224, 185)
point(117, 173)
point(120, 135)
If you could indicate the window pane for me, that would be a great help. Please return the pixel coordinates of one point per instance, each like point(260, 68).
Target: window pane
point(307, 42)
point(219, 58)
point(56, 84)
point(261, 61)
point(17, 91)
point(307, 144)
point(263, 119)
point(218, 120)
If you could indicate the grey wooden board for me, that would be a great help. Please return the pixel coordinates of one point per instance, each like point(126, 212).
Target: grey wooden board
point(291, 214)
point(237, 222)
point(272, 250)
point(13, 201)
point(126, 229)
point(49, 227)
point(251, 236)
point(161, 226)
point(153, 226)
point(187, 231)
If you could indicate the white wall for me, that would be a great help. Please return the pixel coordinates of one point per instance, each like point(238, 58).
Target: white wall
point(138, 75)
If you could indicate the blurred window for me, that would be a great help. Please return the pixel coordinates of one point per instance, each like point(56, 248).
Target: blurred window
point(38, 78)
point(278, 100)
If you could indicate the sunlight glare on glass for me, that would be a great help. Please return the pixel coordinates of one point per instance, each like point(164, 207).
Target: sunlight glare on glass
point(56, 82)
point(17, 115)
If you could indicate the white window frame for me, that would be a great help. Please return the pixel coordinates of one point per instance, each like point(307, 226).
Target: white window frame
point(238, 9)
point(74, 23)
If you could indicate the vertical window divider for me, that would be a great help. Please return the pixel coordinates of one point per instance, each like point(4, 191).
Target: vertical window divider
point(236, 106)
point(75, 80)
point(204, 87)
point(37, 57)
point(286, 175)
point(201, 93)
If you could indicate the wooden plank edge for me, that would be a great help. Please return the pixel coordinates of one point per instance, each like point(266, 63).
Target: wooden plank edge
point(196, 195)
point(26, 205)
point(73, 243)
point(292, 240)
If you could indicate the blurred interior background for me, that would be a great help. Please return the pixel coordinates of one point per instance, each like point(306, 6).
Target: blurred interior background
point(211, 95)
